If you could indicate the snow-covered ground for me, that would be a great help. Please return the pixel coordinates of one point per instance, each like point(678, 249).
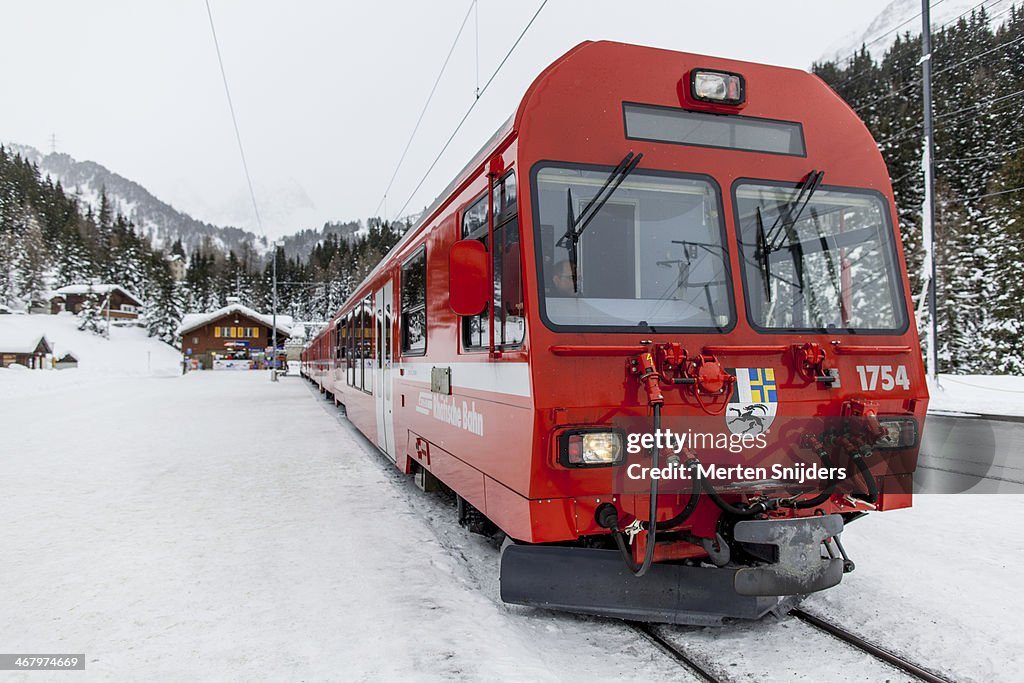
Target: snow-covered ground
point(220, 526)
point(128, 352)
point(978, 394)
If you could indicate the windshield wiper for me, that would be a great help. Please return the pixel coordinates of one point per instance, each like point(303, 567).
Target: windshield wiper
point(576, 225)
point(763, 256)
point(807, 188)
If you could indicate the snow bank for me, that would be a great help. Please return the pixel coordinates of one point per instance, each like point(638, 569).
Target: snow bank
point(978, 394)
point(129, 352)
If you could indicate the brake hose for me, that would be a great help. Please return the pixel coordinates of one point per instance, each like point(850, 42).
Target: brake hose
point(653, 517)
point(608, 517)
point(691, 504)
point(865, 473)
point(821, 497)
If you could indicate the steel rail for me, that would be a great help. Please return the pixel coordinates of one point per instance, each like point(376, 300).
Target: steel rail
point(868, 647)
point(668, 648)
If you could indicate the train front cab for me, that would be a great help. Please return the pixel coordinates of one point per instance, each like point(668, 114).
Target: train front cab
point(740, 274)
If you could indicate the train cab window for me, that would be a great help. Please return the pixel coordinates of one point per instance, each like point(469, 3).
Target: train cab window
point(509, 320)
point(825, 262)
point(651, 259)
point(414, 304)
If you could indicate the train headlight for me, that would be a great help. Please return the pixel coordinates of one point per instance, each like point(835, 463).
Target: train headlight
point(897, 432)
point(591, 448)
point(720, 87)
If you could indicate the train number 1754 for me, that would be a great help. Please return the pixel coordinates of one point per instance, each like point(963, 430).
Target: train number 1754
point(890, 378)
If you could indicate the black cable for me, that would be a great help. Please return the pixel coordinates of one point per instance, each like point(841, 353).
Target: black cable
point(821, 497)
point(861, 74)
point(234, 121)
point(652, 523)
point(470, 110)
point(691, 504)
point(607, 516)
point(755, 509)
point(869, 479)
point(425, 105)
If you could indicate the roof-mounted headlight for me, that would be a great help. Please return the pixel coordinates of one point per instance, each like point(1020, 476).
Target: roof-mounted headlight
point(718, 87)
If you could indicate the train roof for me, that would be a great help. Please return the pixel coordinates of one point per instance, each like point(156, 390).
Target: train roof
point(613, 61)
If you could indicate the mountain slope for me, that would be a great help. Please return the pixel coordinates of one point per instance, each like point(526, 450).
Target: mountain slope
point(158, 221)
point(902, 16)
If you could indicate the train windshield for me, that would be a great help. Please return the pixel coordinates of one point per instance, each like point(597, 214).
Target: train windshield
point(822, 262)
point(652, 257)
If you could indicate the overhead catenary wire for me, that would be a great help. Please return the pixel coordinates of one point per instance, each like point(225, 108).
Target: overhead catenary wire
point(887, 33)
point(470, 110)
point(234, 121)
point(980, 5)
point(252, 192)
point(1002, 154)
point(917, 82)
point(961, 114)
point(426, 104)
point(995, 194)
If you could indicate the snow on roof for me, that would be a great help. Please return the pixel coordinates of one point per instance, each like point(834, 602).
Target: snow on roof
point(191, 321)
point(97, 289)
point(22, 341)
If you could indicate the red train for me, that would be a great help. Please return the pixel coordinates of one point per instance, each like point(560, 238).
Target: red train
point(669, 289)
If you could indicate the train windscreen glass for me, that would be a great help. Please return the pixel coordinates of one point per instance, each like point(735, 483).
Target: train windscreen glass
point(651, 258)
point(829, 265)
point(666, 124)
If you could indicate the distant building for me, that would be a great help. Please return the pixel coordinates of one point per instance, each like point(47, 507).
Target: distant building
point(122, 304)
point(178, 266)
point(68, 360)
point(29, 350)
point(235, 337)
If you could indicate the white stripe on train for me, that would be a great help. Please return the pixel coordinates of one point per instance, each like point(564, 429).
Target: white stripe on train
point(500, 378)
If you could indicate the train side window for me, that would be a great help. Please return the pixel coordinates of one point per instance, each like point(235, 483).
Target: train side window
point(350, 364)
point(509, 323)
point(414, 304)
point(474, 219)
point(368, 345)
point(476, 329)
point(504, 200)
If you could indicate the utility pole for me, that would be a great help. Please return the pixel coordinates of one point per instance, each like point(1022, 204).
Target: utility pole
point(928, 208)
point(273, 341)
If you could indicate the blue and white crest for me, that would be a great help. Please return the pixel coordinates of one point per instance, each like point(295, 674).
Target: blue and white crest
point(754, 401)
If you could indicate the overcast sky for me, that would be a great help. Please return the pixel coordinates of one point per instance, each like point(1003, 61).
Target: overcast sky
point(327, 93)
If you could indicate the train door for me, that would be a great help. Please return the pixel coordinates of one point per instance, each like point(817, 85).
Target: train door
point(383, 313)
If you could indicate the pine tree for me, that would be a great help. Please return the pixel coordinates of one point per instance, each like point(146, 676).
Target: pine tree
point(90, 317)
point(31, 263)
point(165, 306)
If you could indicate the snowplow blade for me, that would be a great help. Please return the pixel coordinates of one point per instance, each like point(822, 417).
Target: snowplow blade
point(593, 581)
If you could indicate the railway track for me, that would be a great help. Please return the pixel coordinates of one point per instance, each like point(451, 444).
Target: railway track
point(706, 671)
point(875, 651)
